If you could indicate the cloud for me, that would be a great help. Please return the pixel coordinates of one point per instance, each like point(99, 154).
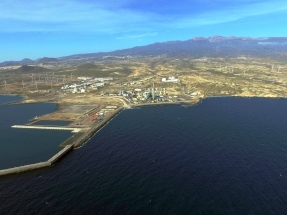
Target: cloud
point(20, 16)
point(137, 36)
point(229, 14)
point(116, 17)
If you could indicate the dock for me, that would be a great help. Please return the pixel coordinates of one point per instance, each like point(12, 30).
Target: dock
point(74, 130)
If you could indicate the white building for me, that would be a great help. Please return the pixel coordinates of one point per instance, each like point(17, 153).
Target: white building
point(98, 85)
point(170, 79)
point(65, 87)
point(84, 78)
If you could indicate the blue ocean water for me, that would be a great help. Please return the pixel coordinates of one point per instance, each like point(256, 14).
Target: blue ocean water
point(224, 156)
point(25, 146)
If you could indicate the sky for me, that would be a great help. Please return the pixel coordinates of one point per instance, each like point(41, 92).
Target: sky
point(40, 28)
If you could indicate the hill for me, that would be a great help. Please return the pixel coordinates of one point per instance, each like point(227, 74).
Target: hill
point(47, 60)
point(28, 69)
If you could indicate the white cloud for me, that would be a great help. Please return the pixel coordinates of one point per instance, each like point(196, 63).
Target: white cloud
point(230, 14)
point(136, 36)
point(18, 16)
point(110, 17)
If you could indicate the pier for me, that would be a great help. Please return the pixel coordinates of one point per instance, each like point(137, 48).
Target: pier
point(74, 130)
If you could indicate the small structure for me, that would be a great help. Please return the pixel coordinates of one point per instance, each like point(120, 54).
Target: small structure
point(147, 95)
point(97, 85)
point(170, 79)
point(123, 93)
point(103, 79)
point(75, 90)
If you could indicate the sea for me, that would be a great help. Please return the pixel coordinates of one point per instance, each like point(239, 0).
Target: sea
point(20, 147)
point(224, 156)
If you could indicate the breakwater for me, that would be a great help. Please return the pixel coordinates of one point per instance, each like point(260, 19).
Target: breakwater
point(85, 136)
point(29, 167)
point(24, 168)
point(60, 154)
point(74, 142)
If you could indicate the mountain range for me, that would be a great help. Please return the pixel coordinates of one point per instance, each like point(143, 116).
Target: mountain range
point(198, 47)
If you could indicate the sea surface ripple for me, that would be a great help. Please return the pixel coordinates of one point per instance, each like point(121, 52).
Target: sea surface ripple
point(224, 156)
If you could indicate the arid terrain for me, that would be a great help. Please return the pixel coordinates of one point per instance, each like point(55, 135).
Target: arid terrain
point(215, 66)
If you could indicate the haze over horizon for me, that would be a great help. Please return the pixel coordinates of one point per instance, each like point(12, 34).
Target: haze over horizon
point(36, 29)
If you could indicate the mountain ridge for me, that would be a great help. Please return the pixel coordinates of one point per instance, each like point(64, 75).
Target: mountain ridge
point(214, 46)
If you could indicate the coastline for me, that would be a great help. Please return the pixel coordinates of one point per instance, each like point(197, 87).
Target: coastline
point(22, 98)
point(79, 139)
point(10, 95)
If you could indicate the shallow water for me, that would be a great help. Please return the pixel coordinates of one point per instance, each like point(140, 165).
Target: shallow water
point(4, 99)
